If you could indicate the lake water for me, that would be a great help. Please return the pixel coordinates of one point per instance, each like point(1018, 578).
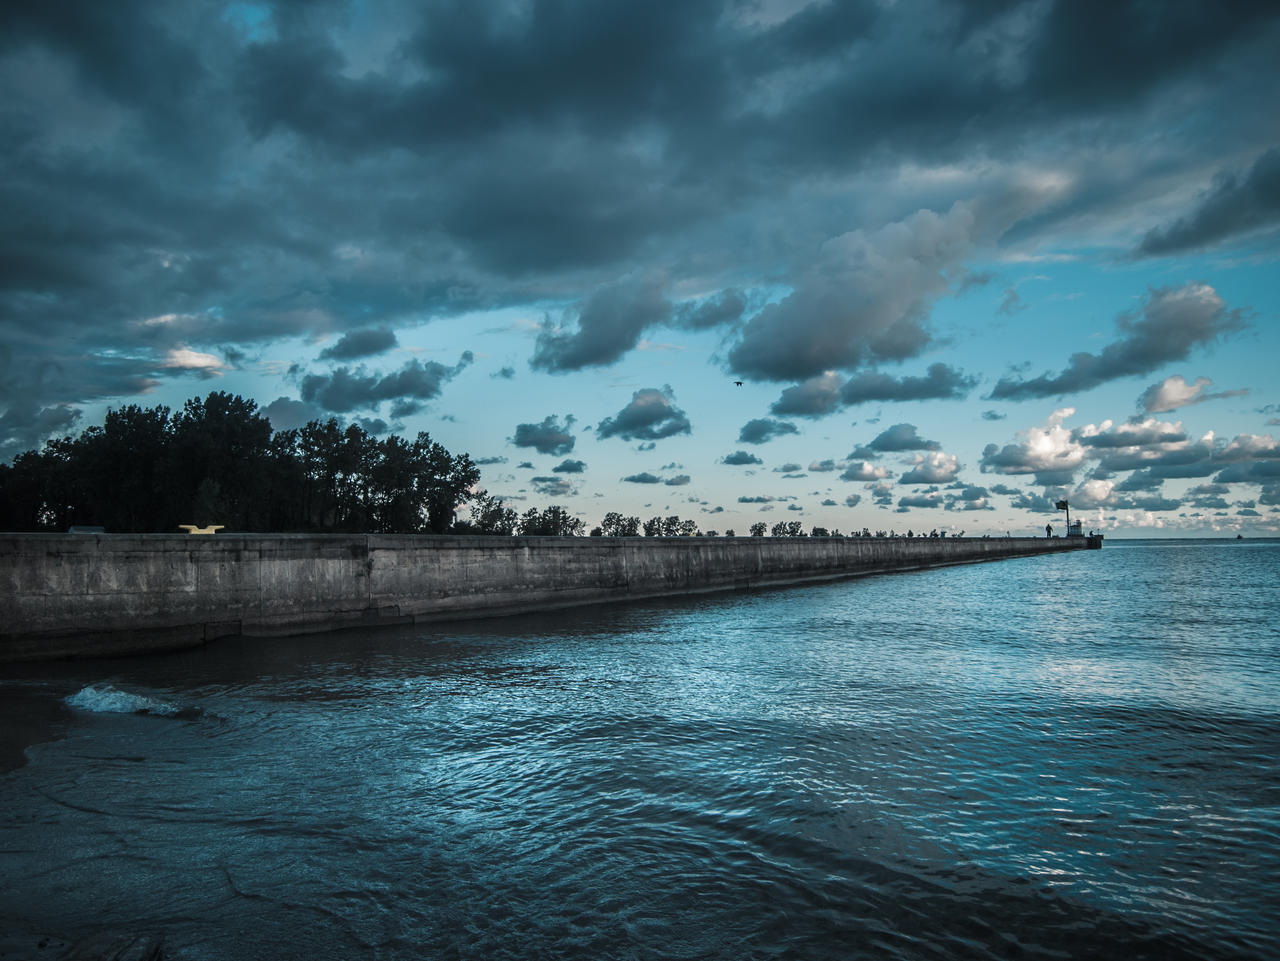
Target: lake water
point(1072, 756)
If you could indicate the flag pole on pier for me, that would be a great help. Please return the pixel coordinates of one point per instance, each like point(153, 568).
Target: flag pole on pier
point(1064, 506)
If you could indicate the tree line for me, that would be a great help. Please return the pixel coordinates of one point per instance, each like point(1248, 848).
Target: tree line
point(218, 461)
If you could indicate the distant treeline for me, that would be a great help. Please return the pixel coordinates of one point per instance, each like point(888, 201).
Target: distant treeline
point(218, 461)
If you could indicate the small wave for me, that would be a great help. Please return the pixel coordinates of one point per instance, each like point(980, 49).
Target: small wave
point(105, 699)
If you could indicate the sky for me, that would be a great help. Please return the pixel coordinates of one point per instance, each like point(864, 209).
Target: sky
point(884, 265)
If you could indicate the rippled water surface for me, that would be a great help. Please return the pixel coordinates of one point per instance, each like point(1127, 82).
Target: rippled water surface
point(1069, 756)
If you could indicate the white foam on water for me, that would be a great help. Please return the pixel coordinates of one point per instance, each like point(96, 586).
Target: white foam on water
point(105, 699)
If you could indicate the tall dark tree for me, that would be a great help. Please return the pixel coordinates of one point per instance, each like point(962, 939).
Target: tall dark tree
point(449, 479)
point(218, 455)
point(489, 515)
point(555, 521)
point(337, 463)
point(616, 525)
point(126, 468)
point(217, 462)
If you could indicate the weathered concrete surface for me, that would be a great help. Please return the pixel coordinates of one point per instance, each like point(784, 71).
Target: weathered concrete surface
point(104, 594)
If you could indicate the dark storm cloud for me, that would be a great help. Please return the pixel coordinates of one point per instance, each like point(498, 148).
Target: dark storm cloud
point(547, 437)
point(24, 426)
point(762, 430)
point(253, 185)
point(1140, 480)
point(740, 458)
point(1144, 434)
point(826, 392)
point(863, 300)
point(902, 437)
point(1054, 478)
point(642, 478)
point(346, 389)
point(119, 50)
point(1245, 447)
point(1040, 503)
point(993, 415)
point(678, 480)
point(1195, 459)
point(286, 413)
point(941, 383)
point(881, 494)
point(1233, 206)
point(814, 397)
point(360, 343)
point(723, 308)
point(553, 486)
point(1208, 490)
point(569, 467)
point(609, 324)
point(1209, 502)
point(1256, 472)
point(650, 416)
point(1150, 502)
point(373, 425)
point(1245, 457)
point(490, 68)
point(970, 498)
point(1168, 326)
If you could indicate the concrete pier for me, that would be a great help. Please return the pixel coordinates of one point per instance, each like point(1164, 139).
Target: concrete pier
point(68, 595)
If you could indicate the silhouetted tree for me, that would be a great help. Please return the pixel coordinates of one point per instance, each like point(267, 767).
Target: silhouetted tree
point(490, 516)
point(218, 461)
point(616, 525)
point(555, 521)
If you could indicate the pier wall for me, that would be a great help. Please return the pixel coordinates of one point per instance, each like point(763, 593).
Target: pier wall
point(65, 595)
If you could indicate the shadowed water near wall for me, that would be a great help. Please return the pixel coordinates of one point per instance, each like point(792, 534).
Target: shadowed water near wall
point(94, 595)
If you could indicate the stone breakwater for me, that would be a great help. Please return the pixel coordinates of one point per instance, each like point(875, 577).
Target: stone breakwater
point(65, 595)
